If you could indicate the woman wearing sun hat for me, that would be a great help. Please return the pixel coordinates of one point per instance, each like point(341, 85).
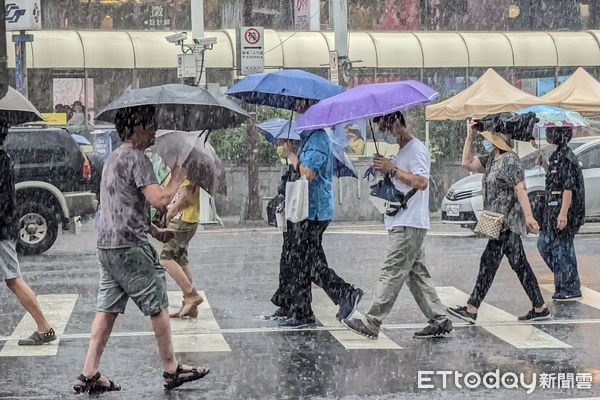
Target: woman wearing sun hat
point(504, 192)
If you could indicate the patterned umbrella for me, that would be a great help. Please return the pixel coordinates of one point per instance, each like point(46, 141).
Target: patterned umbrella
point(554, 117)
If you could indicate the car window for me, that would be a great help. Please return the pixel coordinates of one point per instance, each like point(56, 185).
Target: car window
point(528, 161)
point(590, 158)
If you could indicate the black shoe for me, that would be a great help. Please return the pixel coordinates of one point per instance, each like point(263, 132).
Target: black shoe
point(296, 323)
point(439, 330)
point(357, 326)
point(38, 338)
point(280, 314)
point(462, 313)
point(536, 316)
point(562, 297)
point(348, 305)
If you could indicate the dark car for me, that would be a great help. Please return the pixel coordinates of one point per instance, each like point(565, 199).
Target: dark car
point(52, 178)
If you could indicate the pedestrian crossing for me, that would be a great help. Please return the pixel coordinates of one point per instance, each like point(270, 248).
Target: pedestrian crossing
point(57, 308)
point(203, 334)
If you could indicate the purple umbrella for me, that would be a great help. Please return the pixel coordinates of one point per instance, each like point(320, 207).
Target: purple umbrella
point(366, 101)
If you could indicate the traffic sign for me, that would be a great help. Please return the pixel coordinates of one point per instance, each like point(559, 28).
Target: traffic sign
point(333, 67)
point(251, 50)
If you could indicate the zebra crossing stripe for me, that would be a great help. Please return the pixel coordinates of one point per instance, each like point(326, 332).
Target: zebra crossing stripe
point(195, 334)
point(325, 311)
point(520, 336)
point(590, 297)
point(57, 309)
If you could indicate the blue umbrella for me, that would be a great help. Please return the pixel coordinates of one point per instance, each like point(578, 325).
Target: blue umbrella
point(281, 89)
point(180, 107)
point(278, 128)
point(80, 139)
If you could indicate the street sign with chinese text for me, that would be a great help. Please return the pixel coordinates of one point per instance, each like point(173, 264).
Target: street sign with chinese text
point(333, 67)
point(251, 50)
point(186, 65)
point(301, 15)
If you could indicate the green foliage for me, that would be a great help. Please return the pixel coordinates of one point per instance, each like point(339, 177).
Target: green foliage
point(446, 137)
point(231, 144)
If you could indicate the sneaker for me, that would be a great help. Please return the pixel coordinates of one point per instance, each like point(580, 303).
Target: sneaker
point(38, 338)
point(295, 323)
point(438, 330)
point(348, 306)
point(357, 326)
point(562, 297)
point(281, 313)
point(536, 316)
point(462, 313)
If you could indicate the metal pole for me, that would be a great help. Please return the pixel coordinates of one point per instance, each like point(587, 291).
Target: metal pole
point(24, 61)
point(340, 25)
point(315, 15)
point(197, 8)
point(3, 54)
point(427, 143)
point(85, 99)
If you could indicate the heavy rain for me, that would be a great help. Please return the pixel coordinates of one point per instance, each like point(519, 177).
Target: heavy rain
point(300, 199)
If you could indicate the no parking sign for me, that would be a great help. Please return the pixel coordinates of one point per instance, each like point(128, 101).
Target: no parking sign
point(251, 50)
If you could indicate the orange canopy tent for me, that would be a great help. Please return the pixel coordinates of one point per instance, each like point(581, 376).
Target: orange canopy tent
point(581, 93)
point(489, 94)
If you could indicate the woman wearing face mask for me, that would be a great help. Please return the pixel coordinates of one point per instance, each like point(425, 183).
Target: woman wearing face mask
point(504, 192)
point(564, 213)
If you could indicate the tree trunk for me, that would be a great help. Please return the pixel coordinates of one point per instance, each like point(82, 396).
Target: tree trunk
point(254, 211)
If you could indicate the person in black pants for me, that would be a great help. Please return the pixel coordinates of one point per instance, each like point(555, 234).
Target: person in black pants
point(564, 213)
point(307, 261)
point(504, 192)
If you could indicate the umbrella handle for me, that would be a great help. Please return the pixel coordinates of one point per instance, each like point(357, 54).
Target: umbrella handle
point(373, 136)
point(290, 125)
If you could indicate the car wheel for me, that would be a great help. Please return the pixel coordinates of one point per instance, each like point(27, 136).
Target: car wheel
point(38, 228)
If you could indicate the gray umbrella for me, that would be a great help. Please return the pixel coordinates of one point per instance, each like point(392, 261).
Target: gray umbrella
point(181, 107)
point(196, 155)
point(16, 109)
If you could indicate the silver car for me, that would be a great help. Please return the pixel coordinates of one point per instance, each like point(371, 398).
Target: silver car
point(463, 203)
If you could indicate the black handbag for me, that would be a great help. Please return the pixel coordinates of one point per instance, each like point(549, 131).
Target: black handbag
point(272, 207)
point(393, 199)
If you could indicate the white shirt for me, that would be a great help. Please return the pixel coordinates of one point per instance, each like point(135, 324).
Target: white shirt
point(413, 158)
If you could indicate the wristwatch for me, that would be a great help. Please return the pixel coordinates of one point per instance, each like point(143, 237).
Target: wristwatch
point(393, 172)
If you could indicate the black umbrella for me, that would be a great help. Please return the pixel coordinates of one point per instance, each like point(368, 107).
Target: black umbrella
point(517, 126)
point(16, 109)
point(181, 107)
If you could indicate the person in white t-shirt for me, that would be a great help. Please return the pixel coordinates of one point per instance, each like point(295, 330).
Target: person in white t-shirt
point(406, 229)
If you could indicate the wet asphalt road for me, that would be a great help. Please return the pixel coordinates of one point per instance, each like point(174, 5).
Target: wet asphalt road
point(252, 358)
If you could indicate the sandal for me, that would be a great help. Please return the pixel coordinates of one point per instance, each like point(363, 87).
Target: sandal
point(93, 386)
point(177, 380)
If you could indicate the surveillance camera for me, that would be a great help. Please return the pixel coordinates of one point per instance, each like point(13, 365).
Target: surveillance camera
point(176, 37)
point(209, 41)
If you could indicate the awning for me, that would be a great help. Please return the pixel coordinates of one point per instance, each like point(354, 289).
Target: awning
point(66, 49)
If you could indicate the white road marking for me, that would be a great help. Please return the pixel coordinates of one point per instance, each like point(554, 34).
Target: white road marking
point(365, 232)
point(199, 334)
point(523, 336)
point(325, 311)
point(590, 297)
point(57, 309)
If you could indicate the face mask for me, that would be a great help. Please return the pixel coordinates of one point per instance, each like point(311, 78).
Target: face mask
point(488, 146)
point(390, 138)
point(280, 151)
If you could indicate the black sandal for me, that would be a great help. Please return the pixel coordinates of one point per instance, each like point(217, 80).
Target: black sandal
point(91, 385)
point(177, 381)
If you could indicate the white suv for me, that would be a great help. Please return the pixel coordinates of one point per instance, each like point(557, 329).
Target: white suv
point(463, 203)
